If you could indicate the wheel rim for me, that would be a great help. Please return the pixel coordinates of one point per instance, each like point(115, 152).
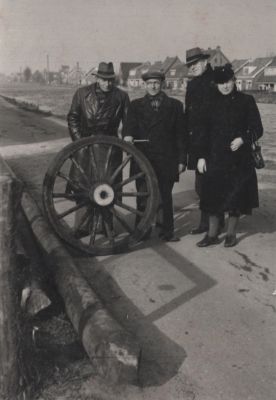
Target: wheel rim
point(92, 192)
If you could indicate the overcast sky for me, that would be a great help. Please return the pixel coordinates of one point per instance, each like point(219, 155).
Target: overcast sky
point(90, 31)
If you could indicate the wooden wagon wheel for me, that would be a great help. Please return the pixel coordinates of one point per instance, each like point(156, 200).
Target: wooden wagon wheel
point(100, 194)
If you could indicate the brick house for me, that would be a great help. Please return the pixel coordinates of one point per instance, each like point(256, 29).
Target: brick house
point(124, 69)
point(267, 79)
point(247, 75)
point(177, 77)
point(239, 64)
point(217, 57)
point(135, 75)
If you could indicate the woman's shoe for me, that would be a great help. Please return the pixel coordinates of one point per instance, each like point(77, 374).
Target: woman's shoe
point(208, 241)
point(230, 241)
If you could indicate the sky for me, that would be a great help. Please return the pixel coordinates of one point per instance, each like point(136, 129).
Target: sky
point(90, 31)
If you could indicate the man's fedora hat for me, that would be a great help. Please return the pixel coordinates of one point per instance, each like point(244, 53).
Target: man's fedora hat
point(105, 71)
point(223, 74)
point(194, 55)
point(153, 74)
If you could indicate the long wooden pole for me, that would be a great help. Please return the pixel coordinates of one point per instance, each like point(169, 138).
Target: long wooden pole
point(113, 351)
point(10, 194)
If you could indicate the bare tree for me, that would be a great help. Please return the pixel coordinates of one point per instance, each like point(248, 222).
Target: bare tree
point(27, 73)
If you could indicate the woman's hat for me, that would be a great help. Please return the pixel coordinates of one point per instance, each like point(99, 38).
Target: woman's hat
point(194, 55)
point(153, 74)
point(105, 71)
point(223, 74)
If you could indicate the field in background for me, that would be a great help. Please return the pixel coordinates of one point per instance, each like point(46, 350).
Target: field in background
point(56, 98)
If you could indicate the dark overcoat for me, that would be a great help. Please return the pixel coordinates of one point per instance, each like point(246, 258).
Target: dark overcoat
point(197, 99)
point(164, 130)
point(230, 183)
point(88, 117)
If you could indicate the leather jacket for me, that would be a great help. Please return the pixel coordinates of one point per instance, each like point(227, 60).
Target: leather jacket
point(88, 116)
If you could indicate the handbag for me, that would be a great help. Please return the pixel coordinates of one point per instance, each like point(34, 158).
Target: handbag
point(257, 156)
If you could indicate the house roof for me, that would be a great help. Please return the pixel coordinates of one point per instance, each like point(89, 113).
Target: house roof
point(259, 64)
point(170, 62)
point(273, 63)
point(181, 71)
point(138, 70)
point(125, 67)
point(92, 71)
point(238, 64)
point(266, 78)
point(213, 52)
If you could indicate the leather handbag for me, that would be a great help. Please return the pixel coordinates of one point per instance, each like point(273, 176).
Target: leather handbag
point(257, 156)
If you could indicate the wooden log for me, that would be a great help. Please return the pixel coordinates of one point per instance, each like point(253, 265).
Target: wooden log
point(10, 194)
point(112, 350)
point(33, 297)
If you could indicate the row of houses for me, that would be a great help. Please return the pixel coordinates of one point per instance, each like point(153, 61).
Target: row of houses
point(176, 71)
point(251, 74)
point(256, 74)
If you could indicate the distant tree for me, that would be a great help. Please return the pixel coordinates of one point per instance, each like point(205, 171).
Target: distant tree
point(27, 73)
point(38, 77)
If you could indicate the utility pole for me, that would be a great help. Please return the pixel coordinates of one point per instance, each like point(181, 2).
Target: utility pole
point(47, 69)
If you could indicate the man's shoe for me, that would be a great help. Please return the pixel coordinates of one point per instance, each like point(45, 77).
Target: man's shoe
point(200, 229)
point(208, 241)
point(230, 241)
point(170, 238)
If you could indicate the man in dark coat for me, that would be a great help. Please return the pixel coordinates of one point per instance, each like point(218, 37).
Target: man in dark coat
point(96, 109)
point(159, 121)
point(200, 90)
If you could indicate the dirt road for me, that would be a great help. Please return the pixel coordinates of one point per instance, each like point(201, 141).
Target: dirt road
point(205, 317)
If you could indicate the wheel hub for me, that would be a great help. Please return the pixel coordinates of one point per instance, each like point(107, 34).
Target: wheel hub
point(102, 194)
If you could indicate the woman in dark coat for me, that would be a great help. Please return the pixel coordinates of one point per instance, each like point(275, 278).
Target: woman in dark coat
point(229, 180)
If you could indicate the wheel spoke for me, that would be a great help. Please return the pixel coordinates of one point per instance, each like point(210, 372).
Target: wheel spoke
point(95, 171)
point(68, 196)
point(67, 212)
point(119, 168)
point(110, 232)
point(128, 208)
point(121, 220)
point(132, 194)
point(95, 222)
point(107, 160)
point(78, 166)
point(75, 185)
point(130, 179)
point(84, 218)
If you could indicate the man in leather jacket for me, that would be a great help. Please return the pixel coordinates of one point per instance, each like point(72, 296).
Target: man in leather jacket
point(97, 109)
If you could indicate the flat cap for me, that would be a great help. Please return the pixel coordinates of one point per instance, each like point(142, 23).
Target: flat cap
point(153, 74)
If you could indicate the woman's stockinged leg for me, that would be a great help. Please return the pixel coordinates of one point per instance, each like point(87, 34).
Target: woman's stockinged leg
point(232, 225)
point(213, 226)
point(230, 239)
point(212, 236)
